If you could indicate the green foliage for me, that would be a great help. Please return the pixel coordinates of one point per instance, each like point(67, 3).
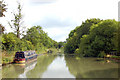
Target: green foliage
point(39, 38)
point(9, 40)
point(117, 57)
point(7, 60)
point(102, 54)
point(75, 35)
point(35, 39)
point(2, 8)
point(117, 41)
point(16, 23)
point(61, 44)
point(2, 29)
point(84, 47)
point(100, 37)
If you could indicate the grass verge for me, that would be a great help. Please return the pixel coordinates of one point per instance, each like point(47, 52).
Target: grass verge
point(8, 56)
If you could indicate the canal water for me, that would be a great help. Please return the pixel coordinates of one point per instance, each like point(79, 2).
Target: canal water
point(60, 66)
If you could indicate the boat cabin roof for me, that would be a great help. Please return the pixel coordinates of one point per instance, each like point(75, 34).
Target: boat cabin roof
point(26, 52)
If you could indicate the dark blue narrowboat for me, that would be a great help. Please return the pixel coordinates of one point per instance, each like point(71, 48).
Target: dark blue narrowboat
point(24, 56)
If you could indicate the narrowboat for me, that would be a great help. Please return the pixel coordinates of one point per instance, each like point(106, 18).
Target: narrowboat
point(24, 56)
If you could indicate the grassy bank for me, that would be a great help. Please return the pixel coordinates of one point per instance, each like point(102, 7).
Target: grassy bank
point(54, 51)
point(8, 56)
point(41, 51)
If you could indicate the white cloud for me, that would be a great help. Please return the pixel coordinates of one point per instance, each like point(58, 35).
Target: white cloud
point(59, 33)
point(54, 16)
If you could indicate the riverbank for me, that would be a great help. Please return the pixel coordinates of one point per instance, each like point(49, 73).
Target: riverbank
point(7, 58)
point(50, 66)
point(112, 58)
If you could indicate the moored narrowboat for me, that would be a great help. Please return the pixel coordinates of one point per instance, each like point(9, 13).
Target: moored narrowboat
point(24, 56)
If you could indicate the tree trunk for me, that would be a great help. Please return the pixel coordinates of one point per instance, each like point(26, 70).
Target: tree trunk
point(18, 33)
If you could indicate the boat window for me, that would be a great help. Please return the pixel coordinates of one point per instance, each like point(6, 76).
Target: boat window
point(21, 55)
point(28, 54)
point(25, 54)
point(17, 54)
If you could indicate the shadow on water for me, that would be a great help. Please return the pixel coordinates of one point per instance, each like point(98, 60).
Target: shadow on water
point(90, 68)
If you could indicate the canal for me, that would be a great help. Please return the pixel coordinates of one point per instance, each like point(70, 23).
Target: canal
point(60, 66)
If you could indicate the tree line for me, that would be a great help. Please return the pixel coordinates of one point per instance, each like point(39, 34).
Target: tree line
point(94, 38)
point(34, 39)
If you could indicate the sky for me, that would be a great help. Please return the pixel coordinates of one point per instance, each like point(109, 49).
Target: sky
point(59, 17)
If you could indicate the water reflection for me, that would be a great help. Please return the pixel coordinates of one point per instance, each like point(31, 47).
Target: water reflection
point(27, 68)
point(17, 70)
point(90, 68)
point(42, 64)
point(60, 66)
point(34, 69)
point(58, 69)
point(12, 71)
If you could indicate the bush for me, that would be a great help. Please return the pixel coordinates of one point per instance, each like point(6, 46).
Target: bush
point(102, 54)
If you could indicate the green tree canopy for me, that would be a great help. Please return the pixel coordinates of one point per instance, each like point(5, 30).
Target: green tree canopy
point(100, 38)
point(38, 37)
point(75, 35)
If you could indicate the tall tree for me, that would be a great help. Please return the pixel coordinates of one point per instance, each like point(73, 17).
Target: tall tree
point(2, 28)
point(118, 38)
point(17, 21)
point(38, 37)
point(75, 35)
point(2, 9)
point(100, 39)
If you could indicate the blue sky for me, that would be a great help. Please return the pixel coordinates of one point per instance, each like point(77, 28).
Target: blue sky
point(59, 17)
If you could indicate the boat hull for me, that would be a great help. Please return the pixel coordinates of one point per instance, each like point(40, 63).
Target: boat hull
point(19, 60)
point(22, 57)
